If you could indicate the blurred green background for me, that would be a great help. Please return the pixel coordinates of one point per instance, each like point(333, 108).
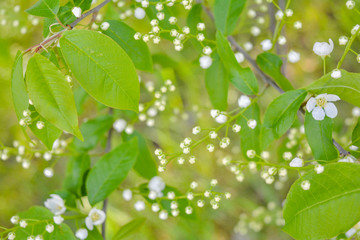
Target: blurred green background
point(21, 188)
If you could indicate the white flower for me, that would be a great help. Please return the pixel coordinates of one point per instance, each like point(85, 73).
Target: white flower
point(139, 13)
point(95, 217)
point(23, 224)
point(323, 49)
point(127, 194)
point(221, 118)
point(336, 74)
point(11, 236)
point(293, 56)
point(55, 204)
point(319, 168)
point(214, 113)
point(297, 162)
point(266, 44)
point(350, 4)
point(119, 125)
point(343, 40)
point(239, 57)
point(322, 105)
point(104, 26)
point(58, 219)
point(252, 123)
point(76, 11)
point(81, 233)
point(205, 62)
point(156, 184)
point(305, 185)
point(298, 25)
point(49, 228)
point(244, 101)
point(14, 219)
point(139, 205)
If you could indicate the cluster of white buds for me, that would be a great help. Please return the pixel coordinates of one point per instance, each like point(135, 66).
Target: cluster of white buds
point(162, 159)
point(268, 174)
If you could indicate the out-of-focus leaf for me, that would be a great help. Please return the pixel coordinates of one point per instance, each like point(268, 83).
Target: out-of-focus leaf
point(44, 8)
point(129, 228)
point(76, 169)
point(227, 13)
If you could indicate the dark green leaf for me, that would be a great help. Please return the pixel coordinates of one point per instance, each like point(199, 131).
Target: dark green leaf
point(51, 94)
point(76, 169)
point(271, 65)
point(110, 171)
point(194, 17)
point(217, 83)
point(102, 68)
point(137, 50)
point(227, 13)
point(83, 4)
point(319, 137)
point(280, 115)
point(328, 208)
point(129, 228)
point(347, 87)
point(45, 8)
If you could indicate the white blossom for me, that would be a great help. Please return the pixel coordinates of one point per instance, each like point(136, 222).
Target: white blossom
point(323, 49)
point(139, 13)
point(205, 62)
point(319, 168)
point(336, 74)
point(119, 125)
point(76, 11)
point(49, 228)
point(81, 233)
point(55, 204)
point(297, 162)
point(127, 194)
point(293, 56)
point(343, 40)
point(322, 105)
point(244, 101)
point(239, 57)
point(104, 26)
point(221, 118)
point(139, 205)
point(266, 44)
point(305, 185)
point(156, 184)
point(58, 219)
point(95, 217)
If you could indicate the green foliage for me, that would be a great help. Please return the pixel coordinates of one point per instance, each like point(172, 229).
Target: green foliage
point(18, 88)
point(227, 13)
point(194, 17)
point(271, 65)
point(102, 68)
point(328, 208)
point(217, 83)
point(51, 94)
point(137, 50)
point(242, 78)
point(129, 228)
point(347, 87)
point(356, 135)
point(145, 165)
point(319, 137)
point(280, 115)
point(45, 8)
point(110, 170)
point(83, 4)
point(77, 168)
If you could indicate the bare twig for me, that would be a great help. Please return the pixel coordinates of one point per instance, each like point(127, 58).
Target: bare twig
point(266, 78)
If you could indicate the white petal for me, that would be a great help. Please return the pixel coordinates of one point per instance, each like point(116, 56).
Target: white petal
point(331, 110)
point(318, 113)
point(332, 97)
point(310, 105)
point(323, 95)
point(89, 223)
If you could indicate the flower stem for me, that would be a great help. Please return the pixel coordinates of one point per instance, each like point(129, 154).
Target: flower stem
point(347, 49)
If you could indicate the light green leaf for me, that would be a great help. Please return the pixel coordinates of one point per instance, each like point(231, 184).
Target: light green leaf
point(319, 137)
point(77, 166)
point(194, 17)
point(129, 228)
point(102, 68)
point(93, 130)
point(137, 50)
point(227, 13)
point(110, 171)
point(242, 78)
point(145, 165)
point(328, 208)
point(347, 87)
point(94, 235)
point(51, 94)
point(83, 4)
point(271, 65)
point(45, 8)
point(18, 88)
point(356, 135)
point(217, 83)
point(249, 138)
point(280, 115)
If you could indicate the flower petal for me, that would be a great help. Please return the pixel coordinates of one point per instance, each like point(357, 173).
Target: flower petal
point(318, 113)
point(323, 95)
point(89, 223)
point(310, 105)
point(331, 110)
point(332, 97)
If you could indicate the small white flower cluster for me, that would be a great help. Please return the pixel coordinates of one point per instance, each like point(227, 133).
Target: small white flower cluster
point(57, 206)
point(269, 174)
point(27, 120)
point(257, 219)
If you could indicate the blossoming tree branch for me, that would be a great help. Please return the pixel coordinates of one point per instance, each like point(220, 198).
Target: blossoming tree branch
point(93, 55)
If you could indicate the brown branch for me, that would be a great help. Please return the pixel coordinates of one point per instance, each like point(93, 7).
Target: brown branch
point(266, 78)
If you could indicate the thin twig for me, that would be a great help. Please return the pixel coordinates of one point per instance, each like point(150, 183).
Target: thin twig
point(95, 9)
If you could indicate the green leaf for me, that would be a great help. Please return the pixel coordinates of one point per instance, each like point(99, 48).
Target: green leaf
point(271, 65)
point(217, 83)
point(328, 208)
point(51, 94)
point(45, 8)
point(280, 115)
point(50, 54)
point(319, 137)
point(347, 87)
point(356, 135)
point(227, 13)
point(129, 228)
point(102, 68)
point(83, 4)
point(18, 88)
point(76, 169)
point(242, 78)
point(93, 130)
point(137, 50)
point(42, 216)
point(194, 17)
point(94, 235)
point(145, 165)
point(110, 171)
point(249, 138)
